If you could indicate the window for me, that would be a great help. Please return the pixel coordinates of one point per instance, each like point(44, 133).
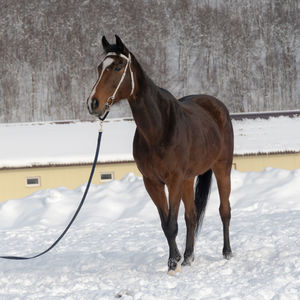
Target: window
point(106, 177)
point(33, 181)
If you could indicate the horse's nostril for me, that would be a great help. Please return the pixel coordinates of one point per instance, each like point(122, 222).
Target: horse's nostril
point(95, 103)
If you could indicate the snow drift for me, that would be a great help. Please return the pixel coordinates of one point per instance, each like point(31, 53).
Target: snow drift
point(116, 248)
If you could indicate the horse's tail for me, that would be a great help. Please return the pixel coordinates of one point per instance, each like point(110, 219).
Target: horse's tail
point(202, 190)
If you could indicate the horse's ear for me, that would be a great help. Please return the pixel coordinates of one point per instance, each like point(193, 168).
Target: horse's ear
point(120, 46)
point(105, 44)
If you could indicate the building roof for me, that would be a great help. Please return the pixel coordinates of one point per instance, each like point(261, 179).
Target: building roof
point(66, 143)
point(266, 136)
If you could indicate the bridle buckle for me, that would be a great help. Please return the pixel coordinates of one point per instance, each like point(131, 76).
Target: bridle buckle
point(109, 102)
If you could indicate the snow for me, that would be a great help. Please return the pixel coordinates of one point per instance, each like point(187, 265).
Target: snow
point(116, 248)
point(25, 145)
point(280, 134)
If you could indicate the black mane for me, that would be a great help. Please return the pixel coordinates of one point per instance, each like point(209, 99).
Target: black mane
point(113, 48)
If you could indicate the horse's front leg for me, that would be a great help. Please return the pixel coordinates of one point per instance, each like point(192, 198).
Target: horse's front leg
point(171, 226)
point(168, 217)
point(190, 220)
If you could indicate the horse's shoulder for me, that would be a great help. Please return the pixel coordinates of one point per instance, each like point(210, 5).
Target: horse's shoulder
point(140, 145)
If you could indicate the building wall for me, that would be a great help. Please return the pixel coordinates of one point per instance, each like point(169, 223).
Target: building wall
point(13, 181)
point(257, 163)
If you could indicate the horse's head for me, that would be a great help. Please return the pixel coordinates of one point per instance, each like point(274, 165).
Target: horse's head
point(115, 78)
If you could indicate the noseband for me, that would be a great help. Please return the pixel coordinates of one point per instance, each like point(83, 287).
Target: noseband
point(110, 100)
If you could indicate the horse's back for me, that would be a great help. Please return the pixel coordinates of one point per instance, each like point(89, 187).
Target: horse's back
point(210, 105)
point(212, 110)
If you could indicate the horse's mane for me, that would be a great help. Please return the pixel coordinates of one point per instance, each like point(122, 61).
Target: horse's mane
point(113, 48)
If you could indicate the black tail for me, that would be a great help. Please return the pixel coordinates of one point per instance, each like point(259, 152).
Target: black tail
point(201, 196)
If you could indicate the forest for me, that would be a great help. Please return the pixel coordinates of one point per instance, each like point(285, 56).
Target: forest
point(246, 53)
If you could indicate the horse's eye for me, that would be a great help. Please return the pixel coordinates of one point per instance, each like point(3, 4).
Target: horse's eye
point(117, 69)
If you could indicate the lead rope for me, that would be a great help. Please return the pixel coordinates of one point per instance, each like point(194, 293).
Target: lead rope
point(79, 206)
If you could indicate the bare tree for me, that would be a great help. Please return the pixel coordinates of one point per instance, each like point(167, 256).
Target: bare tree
point(245, 53)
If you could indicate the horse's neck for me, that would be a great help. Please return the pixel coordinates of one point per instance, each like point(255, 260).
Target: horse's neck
point(151, 109)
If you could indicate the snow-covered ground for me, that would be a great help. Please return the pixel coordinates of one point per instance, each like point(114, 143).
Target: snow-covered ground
point(116, 248)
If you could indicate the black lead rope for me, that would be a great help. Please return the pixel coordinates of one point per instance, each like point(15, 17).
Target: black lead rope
point(79, 207)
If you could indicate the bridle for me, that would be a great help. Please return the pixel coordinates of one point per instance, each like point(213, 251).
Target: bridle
point(110, 100)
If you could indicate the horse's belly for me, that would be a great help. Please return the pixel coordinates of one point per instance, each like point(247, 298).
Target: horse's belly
point(187, 156)
point(173, 163)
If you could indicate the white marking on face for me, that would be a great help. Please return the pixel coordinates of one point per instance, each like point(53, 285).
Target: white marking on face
point(105, 64)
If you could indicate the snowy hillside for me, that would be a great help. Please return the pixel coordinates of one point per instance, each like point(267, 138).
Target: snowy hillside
point(246, 53)
point(116, 248)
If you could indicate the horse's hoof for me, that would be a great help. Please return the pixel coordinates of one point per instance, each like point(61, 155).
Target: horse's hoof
point(227, 255)
point(177, 270)
point(188, 260)
point(174, 266)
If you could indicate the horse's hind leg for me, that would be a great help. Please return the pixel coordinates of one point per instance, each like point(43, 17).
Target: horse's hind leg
point(190, 220)
point(222, 172)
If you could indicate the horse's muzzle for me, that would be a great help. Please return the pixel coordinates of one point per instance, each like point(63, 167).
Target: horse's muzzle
point(92, 105)
point(95, 104)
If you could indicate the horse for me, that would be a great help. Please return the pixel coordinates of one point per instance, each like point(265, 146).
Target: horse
point(176, 141)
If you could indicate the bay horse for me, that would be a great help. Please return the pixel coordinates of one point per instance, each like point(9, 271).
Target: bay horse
point(175, 141)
